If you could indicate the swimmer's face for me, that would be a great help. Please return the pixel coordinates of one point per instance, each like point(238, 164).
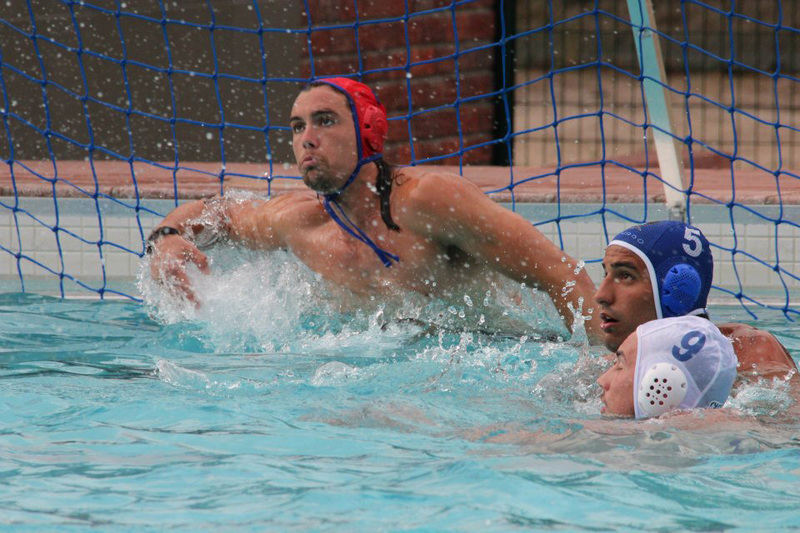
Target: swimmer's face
point(625, 296)
point(617, 381)
point(323, 138)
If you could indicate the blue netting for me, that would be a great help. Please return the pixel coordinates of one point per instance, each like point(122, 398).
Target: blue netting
point(190, 92)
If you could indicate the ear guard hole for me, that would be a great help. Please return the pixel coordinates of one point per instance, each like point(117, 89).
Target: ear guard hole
point(680, 290)
point(654, 396)
point(374, 128)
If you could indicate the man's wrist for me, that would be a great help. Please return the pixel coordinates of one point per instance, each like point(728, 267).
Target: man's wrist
point(158, 233)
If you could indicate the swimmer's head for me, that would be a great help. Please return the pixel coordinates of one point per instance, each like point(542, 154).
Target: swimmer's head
point(674, 363)
point(679, 263)
point(369, 115)
point(328, 155)
point(337, 126)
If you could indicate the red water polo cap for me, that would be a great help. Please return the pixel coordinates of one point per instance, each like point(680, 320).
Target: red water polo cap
point(369, 115)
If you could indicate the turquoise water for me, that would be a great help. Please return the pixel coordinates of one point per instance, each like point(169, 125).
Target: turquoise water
point(275, 413)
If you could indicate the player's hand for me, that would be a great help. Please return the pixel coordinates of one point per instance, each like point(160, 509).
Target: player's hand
point(170, 256)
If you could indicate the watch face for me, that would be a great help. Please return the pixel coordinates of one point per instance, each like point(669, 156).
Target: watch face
point(207, 238)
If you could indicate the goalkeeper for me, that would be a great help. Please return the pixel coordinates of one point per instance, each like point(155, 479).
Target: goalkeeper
point(375, 229)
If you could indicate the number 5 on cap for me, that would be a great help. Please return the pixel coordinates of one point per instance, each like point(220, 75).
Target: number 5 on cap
point(694, 246)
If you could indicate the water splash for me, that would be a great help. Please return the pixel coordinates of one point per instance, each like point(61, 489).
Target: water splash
point(190, 379)
point(334, 373)
point(273, 302)
point(763, 397)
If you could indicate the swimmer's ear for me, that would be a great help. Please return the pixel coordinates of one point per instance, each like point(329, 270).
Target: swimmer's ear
point(375, 128)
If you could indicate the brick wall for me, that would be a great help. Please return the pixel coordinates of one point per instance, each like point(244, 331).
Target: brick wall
point(428, 53)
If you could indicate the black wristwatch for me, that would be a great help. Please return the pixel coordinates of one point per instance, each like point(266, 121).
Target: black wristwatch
point(157, 234)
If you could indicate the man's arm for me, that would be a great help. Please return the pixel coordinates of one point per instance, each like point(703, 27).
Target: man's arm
point(456, 212)
point(249, 222)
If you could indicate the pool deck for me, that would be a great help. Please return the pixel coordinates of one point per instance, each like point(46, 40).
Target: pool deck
point(577, 184)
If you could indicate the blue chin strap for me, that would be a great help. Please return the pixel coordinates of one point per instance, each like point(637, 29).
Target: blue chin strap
point(338, 215)
point(331, 201)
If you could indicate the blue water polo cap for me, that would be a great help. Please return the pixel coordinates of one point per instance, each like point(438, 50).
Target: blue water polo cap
point(679, 261)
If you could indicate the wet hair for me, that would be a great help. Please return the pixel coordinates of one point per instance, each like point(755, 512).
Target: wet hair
point(386, 172)
point(383, 184)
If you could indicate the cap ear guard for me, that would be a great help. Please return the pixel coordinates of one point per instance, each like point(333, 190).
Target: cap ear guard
point(369, 115)
point(662, 388)
point(374, 128)
point(680, 290)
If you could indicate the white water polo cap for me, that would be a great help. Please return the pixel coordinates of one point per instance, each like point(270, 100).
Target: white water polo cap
point(682, 362)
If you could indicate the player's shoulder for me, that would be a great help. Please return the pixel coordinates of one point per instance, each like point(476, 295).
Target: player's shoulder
point(426, 188)
point(413, 177)
point(758, 351)
point(294, 200)
point(422, 198)
point(737, 330)
point(256, 199)
point(295, 205)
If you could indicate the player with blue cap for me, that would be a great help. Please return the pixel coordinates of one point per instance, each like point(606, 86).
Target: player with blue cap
point(678, 259)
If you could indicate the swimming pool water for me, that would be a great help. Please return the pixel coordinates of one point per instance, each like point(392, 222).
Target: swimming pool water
point(275, 414)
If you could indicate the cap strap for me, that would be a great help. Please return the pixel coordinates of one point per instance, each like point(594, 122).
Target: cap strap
point(341, 218)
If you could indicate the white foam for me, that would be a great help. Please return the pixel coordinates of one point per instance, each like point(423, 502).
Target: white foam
point(334, 373)
point(274, 303)
point(762, 397)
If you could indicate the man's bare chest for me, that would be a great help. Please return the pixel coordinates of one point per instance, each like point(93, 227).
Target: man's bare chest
point(424, 266)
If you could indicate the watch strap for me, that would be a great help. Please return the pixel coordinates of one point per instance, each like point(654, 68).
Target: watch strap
point(157, 233)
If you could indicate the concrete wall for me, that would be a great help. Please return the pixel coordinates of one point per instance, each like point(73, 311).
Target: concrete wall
point(583, 238)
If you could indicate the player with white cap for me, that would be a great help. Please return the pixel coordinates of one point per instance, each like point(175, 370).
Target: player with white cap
point(674, 363)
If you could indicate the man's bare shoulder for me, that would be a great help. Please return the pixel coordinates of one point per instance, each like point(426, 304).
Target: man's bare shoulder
point(261, 222)
point(433, 202)
point(409, 179)
point(295, 197)
point(249, 198)
point(295, 202)
point(758, 351)
point(424, 190)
